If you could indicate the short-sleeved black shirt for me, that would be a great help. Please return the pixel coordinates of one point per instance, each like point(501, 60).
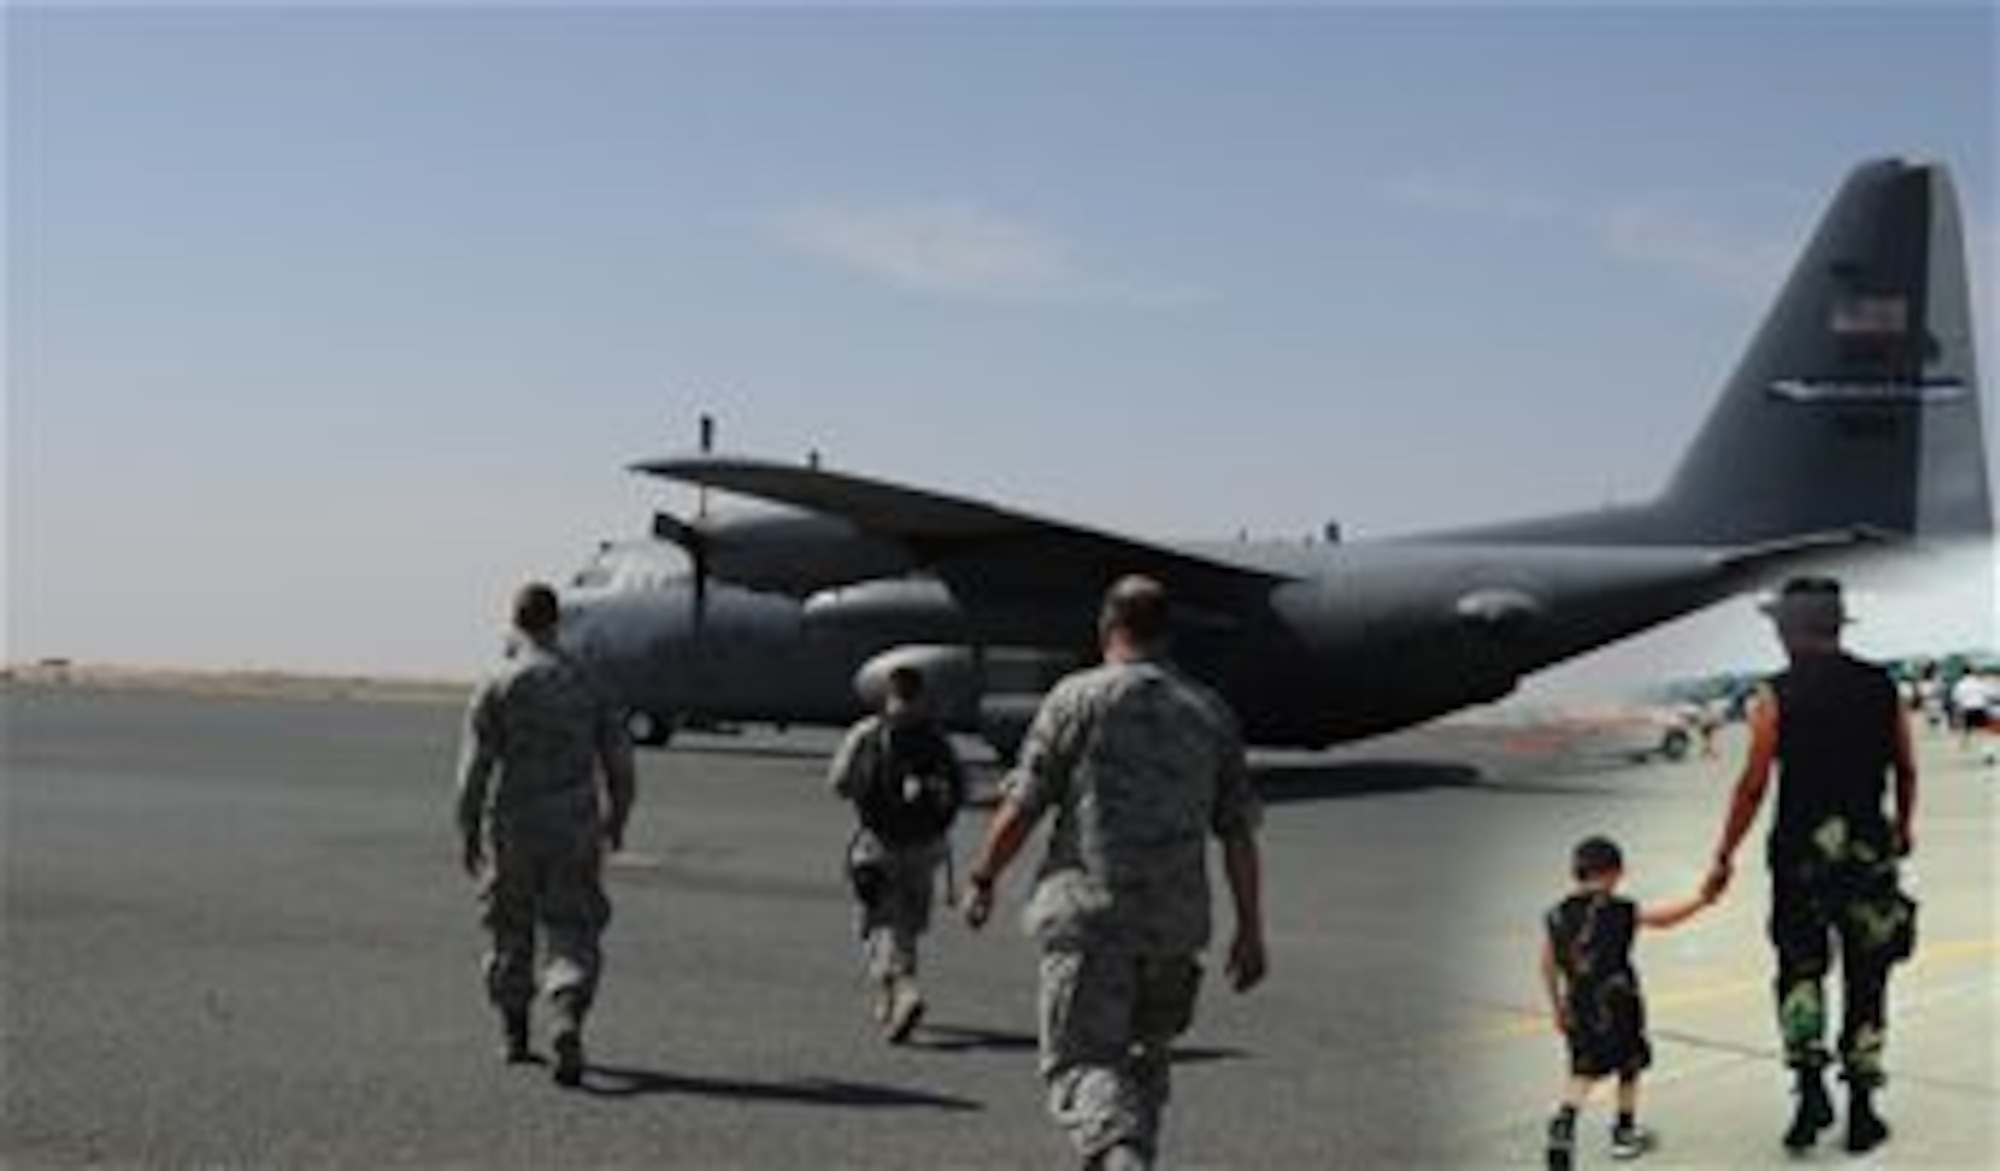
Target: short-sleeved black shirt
point(1591, 933)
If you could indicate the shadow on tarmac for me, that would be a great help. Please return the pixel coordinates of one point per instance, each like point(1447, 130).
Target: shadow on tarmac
point(1335, 780)
point(607, 1081)
point(1282, 782)
point(971, 1038)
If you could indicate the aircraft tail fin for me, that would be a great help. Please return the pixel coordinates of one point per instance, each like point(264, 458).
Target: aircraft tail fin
point(1856, 405)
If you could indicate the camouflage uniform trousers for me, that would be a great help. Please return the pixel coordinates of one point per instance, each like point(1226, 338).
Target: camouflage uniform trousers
point(900, 912)
point(1856, 905)
point(548, 877)
point(1109, 1017)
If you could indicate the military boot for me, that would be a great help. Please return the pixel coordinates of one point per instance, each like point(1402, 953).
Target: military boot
point(1865, 1128)
point(566, 1035)
point(881, 998)
point(1119, 1157)
point(906, 1009)
point(569, 1058)
point(1814, 1112)
point(514, 1037)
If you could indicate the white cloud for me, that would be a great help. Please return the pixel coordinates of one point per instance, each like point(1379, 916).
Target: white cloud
point(958, 248)
point(1654, 232)
point(1660, 236)
point(1457, 197)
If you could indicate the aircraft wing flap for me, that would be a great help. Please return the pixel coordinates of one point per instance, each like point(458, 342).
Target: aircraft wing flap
point(1771, 554)
point(979, 549)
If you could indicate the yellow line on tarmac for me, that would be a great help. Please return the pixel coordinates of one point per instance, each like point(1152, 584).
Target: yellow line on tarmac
point(1516, 1023)
point(1953, 949)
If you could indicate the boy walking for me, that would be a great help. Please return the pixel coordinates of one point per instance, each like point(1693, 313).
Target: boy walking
point(1594, 992)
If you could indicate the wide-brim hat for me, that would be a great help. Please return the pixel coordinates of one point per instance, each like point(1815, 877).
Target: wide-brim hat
point(1808, 603)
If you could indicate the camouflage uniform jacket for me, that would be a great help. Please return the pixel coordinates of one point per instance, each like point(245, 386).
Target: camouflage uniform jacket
point(534, 735)
point(1141, 765)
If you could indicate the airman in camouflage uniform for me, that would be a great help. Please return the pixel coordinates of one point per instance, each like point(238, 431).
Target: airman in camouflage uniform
point(1141, 765)
point(534, 824)
point(1834, 728)
point(894, 867)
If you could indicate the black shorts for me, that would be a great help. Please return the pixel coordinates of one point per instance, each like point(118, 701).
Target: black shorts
point(1607, 1032)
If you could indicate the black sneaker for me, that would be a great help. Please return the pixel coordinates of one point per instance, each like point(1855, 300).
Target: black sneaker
point(569, 1060)
point(1562, 1144)
point(1629, 1142)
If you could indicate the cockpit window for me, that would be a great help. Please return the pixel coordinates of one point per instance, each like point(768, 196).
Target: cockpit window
point(634, 565)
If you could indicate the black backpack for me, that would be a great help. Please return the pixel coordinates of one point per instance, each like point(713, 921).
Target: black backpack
point(914, 791)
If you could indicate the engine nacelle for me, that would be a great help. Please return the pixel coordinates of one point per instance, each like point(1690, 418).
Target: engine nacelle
point(953, 679)
point(994, 691)
point(912, 607)
point(786, 552)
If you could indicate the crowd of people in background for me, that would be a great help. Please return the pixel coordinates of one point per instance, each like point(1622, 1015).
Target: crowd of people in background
point(1958, 694)
point(1961, 697)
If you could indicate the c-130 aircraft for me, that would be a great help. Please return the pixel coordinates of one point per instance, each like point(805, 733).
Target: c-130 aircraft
point(1851, 421)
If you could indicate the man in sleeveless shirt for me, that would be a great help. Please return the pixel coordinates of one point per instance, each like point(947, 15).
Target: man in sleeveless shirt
point(1834, 729)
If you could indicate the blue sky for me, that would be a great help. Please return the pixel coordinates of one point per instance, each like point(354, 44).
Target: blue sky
point(325, 328)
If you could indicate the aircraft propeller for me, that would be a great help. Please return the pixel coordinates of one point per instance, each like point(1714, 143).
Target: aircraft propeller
point(692, 535)
point(694, 540)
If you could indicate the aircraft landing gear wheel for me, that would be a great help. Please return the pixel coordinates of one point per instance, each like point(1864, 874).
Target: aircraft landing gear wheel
point(648, 729)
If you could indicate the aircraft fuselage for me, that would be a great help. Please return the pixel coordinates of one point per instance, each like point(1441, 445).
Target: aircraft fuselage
point(1374, 638)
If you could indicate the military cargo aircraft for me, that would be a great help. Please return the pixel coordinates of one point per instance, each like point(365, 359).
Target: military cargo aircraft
point(1851, 421)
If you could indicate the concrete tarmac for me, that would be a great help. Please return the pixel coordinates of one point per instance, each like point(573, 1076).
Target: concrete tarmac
point(236, 936)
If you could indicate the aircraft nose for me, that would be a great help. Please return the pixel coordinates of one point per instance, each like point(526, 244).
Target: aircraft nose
point(626, 630)
point(591, 626)
point(575, 625)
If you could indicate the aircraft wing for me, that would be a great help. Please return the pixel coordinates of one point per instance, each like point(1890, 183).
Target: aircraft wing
point(991, 557)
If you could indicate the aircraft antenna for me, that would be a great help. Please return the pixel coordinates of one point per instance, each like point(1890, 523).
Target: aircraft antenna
point(697, 547)
point(706, 442)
